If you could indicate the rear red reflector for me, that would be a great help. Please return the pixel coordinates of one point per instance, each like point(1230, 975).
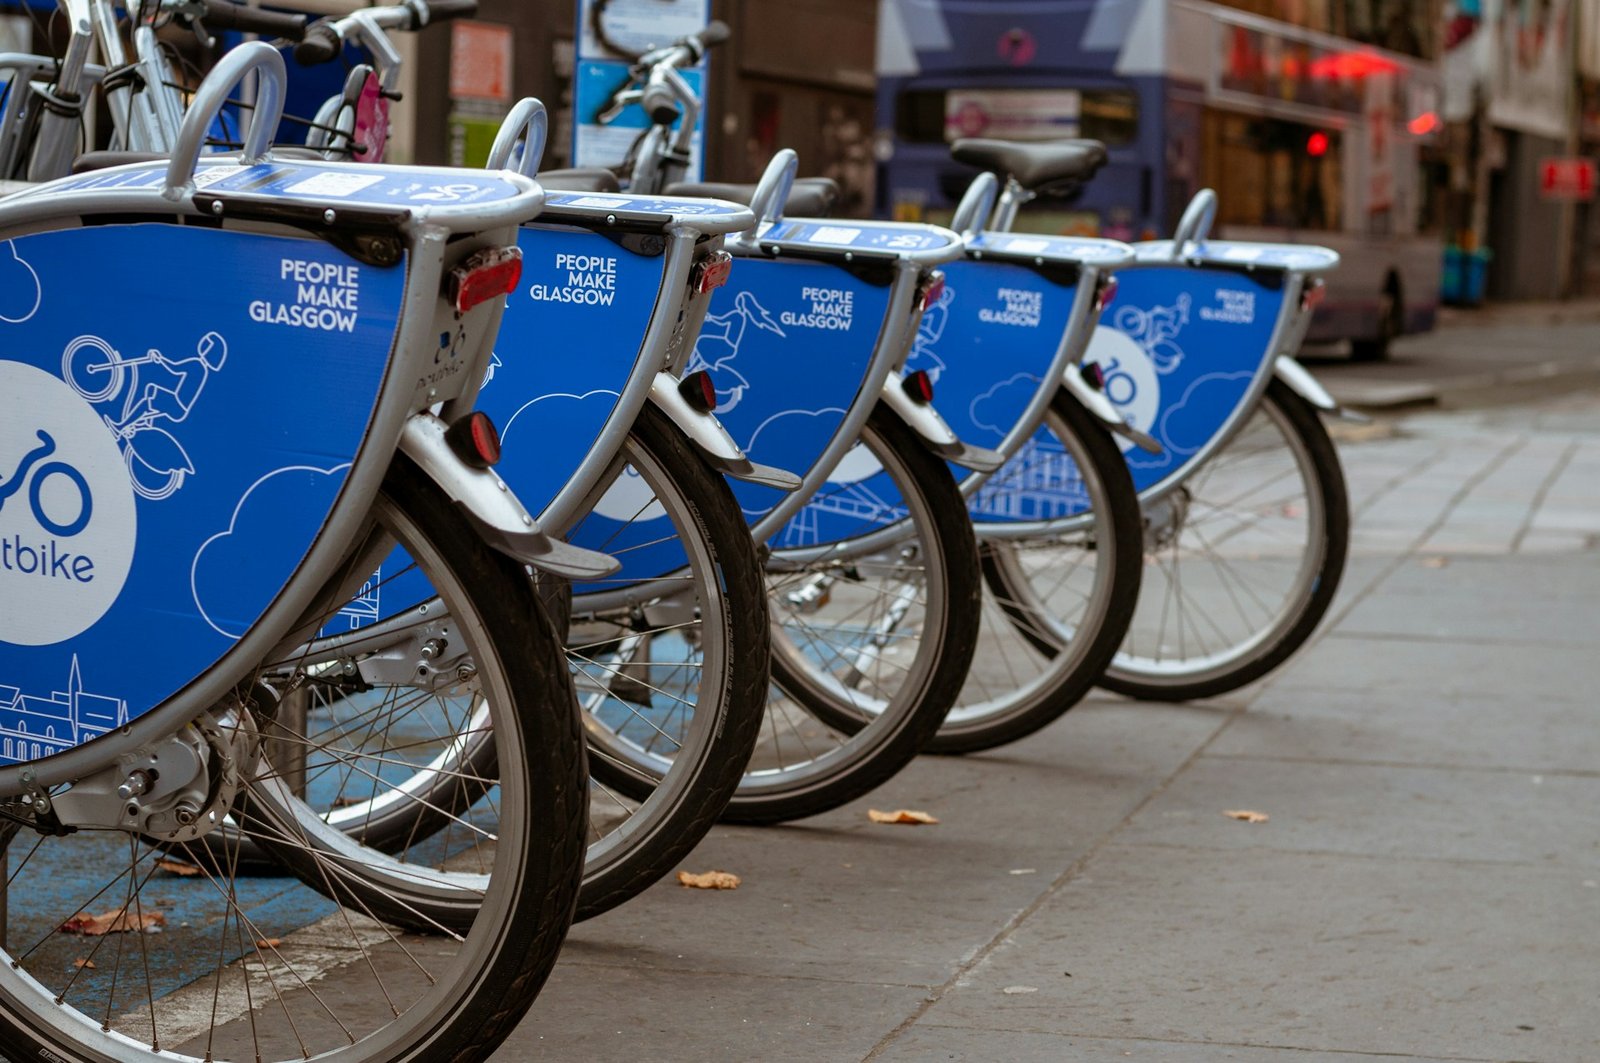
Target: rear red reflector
point(1105, 293)
point(712, 272)
point(1094, 375)
point(485, 275)
point(475, 440)
point(932, 289)
point(1314, 294)
point(919, 386)
point(698, 391)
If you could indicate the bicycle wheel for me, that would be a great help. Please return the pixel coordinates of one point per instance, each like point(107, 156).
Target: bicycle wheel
point(276, 971)
point(672, 686)
point(1056, 607)
point(869, 651)
point(93, 368)
point(1242, 561)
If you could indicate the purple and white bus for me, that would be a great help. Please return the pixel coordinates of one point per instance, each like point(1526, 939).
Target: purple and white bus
point(1320, 132)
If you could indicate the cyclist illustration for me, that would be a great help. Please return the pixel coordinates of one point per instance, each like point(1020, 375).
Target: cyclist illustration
point(1155, 330)
point(719, 346)
point(157, 462)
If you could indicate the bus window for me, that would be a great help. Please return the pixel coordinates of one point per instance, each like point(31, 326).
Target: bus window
point(1274, 173)
point(935, 116)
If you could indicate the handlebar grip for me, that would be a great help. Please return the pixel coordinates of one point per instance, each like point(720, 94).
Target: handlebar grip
point(660, 104)
point(443, 10)
point(715, 33)
point(321, 44)
point(226, 15)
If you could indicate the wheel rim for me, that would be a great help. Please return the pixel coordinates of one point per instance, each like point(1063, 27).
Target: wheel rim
point(857, 640)
point(1042, 598)
point(1225, 586)
point(680, 664)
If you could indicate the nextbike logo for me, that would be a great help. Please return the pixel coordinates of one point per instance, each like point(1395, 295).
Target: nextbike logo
point(68, 523)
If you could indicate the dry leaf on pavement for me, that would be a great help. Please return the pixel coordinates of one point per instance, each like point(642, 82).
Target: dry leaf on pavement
point(1247, 816)
point(901, 815)
point(710, 880)
point(177, 867)
point(269, 943)
point(116, 921)
point(81, 964)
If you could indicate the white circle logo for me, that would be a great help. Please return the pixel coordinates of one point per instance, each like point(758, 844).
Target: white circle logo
point(1131, 382)
point(68, 521)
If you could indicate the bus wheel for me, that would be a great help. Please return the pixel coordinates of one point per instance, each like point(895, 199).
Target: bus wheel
point(1391, 322)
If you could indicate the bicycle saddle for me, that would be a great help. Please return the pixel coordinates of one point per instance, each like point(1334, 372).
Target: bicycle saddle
point(1035, 166)
point(812, 197)
point(579, 180)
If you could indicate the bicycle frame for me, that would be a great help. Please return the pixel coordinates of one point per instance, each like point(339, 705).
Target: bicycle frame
point(298, 235)
point(1245, 338)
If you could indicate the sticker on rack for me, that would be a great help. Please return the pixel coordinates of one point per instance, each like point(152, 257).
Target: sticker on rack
point(830, 234)
point(334, 185)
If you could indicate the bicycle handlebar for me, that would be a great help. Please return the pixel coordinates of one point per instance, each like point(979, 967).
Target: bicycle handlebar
point(324, 40)
point(320, 44)
point(715, 33)
point(227, 15)
point(443, 10)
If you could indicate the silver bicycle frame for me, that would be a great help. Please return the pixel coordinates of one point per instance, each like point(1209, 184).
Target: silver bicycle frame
point(439, 237)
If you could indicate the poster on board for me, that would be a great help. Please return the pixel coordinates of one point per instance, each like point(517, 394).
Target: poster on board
point(637, 25)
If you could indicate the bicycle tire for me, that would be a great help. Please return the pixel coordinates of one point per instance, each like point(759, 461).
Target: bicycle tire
point(734, 711)
point(874, 745)
point(1327, 513)
point(1070, 652)
point(678, 800)
point(506, 951)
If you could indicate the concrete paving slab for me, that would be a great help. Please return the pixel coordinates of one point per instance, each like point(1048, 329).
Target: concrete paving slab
point(928, 1041)
point(1308, 953)
point(1381, 727)
point(1379, 810)
point(910, 901)
point(1491, 601)
point(1431, 669)
point(617, 1015)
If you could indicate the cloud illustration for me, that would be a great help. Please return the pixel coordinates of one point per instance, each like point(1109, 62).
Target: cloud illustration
point(793, 440)
point(236, 573)
point(20, 293)
point(1214, 396)
point(997, 410)
point(546, 439)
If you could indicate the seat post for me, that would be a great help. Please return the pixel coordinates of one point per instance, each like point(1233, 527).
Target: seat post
point(1011, 200)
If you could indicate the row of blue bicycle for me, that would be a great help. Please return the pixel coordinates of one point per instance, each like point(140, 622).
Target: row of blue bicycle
point(407, 561)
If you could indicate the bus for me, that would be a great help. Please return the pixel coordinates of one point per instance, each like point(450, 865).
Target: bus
point(1321, 130)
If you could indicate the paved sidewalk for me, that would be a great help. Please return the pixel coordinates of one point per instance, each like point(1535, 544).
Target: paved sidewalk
point(1492, 355)
point(1427, 887)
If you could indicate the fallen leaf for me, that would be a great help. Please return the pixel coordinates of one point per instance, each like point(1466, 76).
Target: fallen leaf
point(902, 815)
point(1247, 816)
point(81, 964)
point(116, 921)
point(177, 867)
point(710, 880)
point(269, 943)
point(1435, 562)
